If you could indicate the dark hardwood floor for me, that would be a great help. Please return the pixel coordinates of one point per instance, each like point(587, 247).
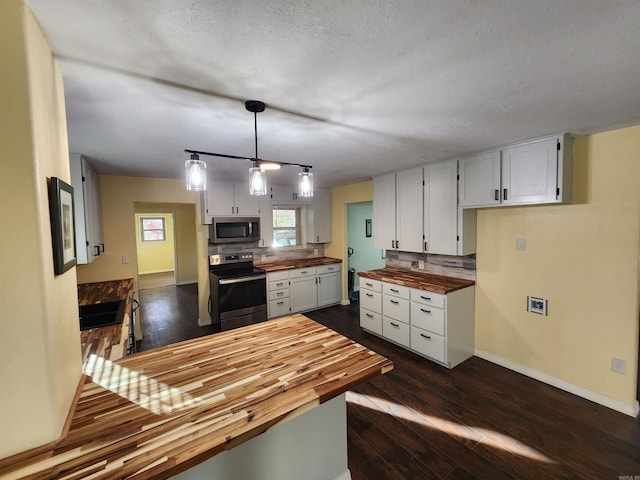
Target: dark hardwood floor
point(423, 421)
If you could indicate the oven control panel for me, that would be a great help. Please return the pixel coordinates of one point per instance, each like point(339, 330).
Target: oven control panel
point(221, 259)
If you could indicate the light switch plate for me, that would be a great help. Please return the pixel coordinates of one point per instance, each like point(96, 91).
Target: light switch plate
point(537, 305)
point(521, 244)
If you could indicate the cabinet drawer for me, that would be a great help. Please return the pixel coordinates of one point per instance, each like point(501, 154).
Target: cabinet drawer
point(428, 298)
point(303, 272)
point(278, 308)
point(284, 275)
point(375, 285)
point(279, 284)
point(371, 321)
point(395, 331)
point(277, 294)
point(396, 308)
point(396, 290)
point(428, 343)
point(371, 300)
point(427, 317)
point(335, 267)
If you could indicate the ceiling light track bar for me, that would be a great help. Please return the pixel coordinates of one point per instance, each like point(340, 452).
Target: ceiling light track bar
point(251, 159)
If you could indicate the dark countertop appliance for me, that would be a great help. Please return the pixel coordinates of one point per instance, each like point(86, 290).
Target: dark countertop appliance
point(238, 291)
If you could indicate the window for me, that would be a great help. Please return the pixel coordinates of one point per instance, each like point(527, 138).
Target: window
point(286, 226)
point(152, 229)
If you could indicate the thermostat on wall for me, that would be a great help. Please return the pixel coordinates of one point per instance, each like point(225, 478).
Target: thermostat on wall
point(537, 305)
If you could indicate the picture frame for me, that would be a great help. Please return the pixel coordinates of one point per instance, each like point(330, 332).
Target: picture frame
point(63, 228)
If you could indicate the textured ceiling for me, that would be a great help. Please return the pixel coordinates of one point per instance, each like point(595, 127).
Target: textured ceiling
point(355, 88)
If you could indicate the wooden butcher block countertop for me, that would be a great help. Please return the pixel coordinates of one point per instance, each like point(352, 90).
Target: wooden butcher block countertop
point(420, 280)
point(161, 412)
point(107, 342)
point(279, 265)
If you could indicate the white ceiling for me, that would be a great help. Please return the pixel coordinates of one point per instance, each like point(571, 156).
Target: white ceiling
point(354, 88)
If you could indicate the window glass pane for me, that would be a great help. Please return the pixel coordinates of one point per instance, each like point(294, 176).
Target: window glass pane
point(152, 230)
point(153, 223)
point(286, 228)
point(152, 235)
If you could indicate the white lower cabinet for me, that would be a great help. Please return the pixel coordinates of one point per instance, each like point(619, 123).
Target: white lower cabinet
point(302, 289)
point(437, 326)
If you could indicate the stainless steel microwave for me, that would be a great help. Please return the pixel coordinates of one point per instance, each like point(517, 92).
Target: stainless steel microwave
point(234, 230)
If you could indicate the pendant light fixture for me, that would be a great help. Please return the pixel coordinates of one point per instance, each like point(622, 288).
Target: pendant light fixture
point(196, 169)
point(196, 172)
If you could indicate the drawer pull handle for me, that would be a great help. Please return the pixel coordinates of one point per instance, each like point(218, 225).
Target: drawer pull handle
point(395, 302)
point(279, 284)
point(394, 324)
point(425, 336)
point(425, 298)
point(369, 315)
point(279, 294)
point(329, 268)
point(279, 303)
point(303, 273)
point(370, 295)
point(369, 284)
point(394, 290)
point(425, 311)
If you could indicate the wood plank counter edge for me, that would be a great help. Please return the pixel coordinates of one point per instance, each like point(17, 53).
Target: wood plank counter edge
point(219, 391)
point(420, 280)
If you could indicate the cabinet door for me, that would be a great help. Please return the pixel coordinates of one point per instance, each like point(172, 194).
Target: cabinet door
point(328, 289)
point(440, 208)
point(303, 294)
point(529, 173)
point(319, 217)
point(219, 199)
point(480, 180)
point(266, 221)
point(92, 214)
point(409, 201)
point(384, 211)
point(245, 203)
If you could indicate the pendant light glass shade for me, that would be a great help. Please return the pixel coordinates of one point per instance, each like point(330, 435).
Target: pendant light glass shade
point(196, 172)
point(257, 181)
point(305, 183)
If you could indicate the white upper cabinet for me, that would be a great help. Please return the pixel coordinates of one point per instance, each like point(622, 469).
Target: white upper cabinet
point(266, 221)
point(397, 210)
point(87, 211)
point(319, 217)
point(529, 173)
point(441, 208)
point(288, 194)
point(223, 199)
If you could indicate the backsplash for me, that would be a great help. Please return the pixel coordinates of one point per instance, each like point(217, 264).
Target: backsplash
point(270, 254)
point(448, 265)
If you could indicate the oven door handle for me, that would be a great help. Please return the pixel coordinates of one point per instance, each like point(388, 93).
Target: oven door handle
point(229, 281)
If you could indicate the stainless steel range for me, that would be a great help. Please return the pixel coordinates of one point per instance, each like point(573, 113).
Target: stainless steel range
point(238, 291)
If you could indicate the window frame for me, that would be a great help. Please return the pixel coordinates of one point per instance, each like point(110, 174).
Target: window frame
point(298, 226)
point(163, 229)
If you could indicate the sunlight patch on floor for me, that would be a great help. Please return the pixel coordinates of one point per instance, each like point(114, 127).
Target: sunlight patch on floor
point(486, 436)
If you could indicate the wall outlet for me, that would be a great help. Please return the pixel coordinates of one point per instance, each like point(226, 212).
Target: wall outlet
point(125, 259)
point(315, 251)
point(617, 365)
point(521, 244)
point(421, 264)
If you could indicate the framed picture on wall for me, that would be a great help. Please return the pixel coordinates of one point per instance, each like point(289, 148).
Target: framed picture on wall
point(63, 232)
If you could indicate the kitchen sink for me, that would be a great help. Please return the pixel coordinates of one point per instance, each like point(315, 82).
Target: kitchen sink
point(101, 314)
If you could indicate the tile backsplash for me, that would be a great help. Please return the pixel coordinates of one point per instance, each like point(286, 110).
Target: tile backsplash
point(270, 254)
point(448, 265)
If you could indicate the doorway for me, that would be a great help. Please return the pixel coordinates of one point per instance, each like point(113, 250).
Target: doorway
point(364, 255)
point(156, 250)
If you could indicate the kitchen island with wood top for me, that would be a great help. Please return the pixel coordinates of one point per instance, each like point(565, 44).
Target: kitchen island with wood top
point(159, 413)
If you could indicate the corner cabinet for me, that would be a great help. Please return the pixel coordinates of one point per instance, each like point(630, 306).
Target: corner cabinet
point(303, 289)
point(535, 172)
point(87, 214)
point(319, 217)
point(436, 326)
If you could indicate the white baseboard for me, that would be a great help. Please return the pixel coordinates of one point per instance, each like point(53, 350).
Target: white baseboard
point(631, 410)
point(344, 475)
point(155, 271)
point(188, 282)
point(345, 302)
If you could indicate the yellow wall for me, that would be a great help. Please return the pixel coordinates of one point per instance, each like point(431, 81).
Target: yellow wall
point(184, 215)
point(118, 196)
point(39, 338)
point(340, 197)
point(158, 256)
point(583, 257)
